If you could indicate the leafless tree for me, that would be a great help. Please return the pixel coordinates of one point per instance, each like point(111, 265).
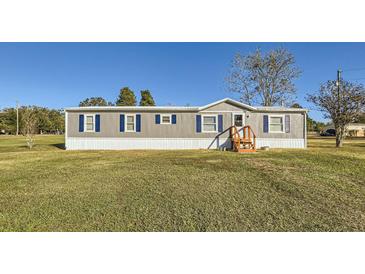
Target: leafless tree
point(343, 102)
point(265, 79)
point(29, 125)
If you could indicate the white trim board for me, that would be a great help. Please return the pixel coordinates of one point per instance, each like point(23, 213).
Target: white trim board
point(126, 122)
point(85, 122)
point(88, 143)
point(216, 123)
point(283, 122)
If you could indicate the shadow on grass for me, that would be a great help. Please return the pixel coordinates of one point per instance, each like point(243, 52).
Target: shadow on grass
point(59, 146)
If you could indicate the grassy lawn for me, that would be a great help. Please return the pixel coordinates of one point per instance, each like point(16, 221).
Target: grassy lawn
point(49, 189)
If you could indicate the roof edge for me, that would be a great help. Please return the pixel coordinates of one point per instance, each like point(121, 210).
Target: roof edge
point(234, 102)
point(188, 108)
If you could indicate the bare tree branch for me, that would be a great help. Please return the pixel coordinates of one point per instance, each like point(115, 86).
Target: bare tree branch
point(342, 107)
point(267, 80)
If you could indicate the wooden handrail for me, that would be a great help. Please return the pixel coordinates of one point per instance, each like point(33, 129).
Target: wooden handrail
point(249, 136)
point(236, 138)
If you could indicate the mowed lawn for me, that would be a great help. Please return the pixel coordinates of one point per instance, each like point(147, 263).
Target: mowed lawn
point(50, 189)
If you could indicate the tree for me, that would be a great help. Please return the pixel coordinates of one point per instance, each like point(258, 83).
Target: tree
point(8, 120)
point(342, 101)
point(296, 105)
point(48, 120)
point(265, 79)
point(29, 125)
point(44, 123)
point(146, 98)
point(361, 118)
point(58, 121)
point(126, 97)
point(94, 101)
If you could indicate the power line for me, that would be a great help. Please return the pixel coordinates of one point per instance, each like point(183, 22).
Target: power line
point(354, 79)
point(354, 69)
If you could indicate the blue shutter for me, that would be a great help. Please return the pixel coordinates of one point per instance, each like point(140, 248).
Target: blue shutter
point(97, 123)
point(287, 123)
point(81, 123)
point(220, 123)
point(138, 122)
point(198, 123)
point(157, 118)
point(266, 123)
point(173, 119)
point(121, 123)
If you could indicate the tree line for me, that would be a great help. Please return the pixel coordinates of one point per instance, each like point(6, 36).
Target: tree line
point(126, 97)
point(44, 120)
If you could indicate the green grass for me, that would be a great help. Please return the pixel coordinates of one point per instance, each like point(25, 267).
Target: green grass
point(49, 189)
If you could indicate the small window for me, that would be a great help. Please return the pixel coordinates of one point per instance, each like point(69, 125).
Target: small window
point(238, 120)
point(210, 123)
point(89, 123)
point(276, 124)
point(165, 119)
point(130, 123)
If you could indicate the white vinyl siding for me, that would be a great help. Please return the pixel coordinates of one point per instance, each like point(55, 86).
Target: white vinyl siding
point(79, 143)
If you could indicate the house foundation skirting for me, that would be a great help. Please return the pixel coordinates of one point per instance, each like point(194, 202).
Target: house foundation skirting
point(88, 143)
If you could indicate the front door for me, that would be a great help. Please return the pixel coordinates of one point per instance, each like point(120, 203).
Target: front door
point(238, 120)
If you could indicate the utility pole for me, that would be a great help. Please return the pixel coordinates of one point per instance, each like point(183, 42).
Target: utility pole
point(17, 118)
point(338, 89)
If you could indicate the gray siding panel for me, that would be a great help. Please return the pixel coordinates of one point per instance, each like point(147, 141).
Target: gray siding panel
point(185, 126)
point(256, 121)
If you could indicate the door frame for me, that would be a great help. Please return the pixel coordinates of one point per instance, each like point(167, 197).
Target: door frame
point(243, 118)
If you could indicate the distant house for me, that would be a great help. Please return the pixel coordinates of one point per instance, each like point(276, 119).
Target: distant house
point(352, 129)
point(177, 127)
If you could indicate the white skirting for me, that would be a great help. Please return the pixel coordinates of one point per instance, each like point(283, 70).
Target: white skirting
point(280, 143)
point(87, 143)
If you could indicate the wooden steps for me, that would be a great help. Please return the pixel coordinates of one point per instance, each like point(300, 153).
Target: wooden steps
point(247, 143)
point(246, 150)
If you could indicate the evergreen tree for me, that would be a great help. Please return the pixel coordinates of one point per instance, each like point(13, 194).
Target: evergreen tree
point(94, 101)
point(126, 97)
point(146, 98)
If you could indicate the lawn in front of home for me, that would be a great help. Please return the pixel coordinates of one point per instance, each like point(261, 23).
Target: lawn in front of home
point(49, 189)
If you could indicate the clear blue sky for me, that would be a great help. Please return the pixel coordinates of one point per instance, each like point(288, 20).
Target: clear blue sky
point(59, 75)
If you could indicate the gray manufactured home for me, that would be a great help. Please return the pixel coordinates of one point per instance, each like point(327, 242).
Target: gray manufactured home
point(115, 127)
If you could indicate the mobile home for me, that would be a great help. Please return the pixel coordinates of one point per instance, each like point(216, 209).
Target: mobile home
point(182, 127)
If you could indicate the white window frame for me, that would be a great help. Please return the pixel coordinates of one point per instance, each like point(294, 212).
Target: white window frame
point(85, 122)
point(243, 117)
point(283, 119)
point(216, 123)
point(126, 123)
point(161, 119)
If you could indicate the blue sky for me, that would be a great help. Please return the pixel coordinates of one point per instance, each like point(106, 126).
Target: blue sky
point(59, 75)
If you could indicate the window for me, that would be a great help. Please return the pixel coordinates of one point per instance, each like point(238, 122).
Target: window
point(130, 123)
point(276, 123)
point(165, 118)
point(210, 123)
point(238, 120)
point(89, 123)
